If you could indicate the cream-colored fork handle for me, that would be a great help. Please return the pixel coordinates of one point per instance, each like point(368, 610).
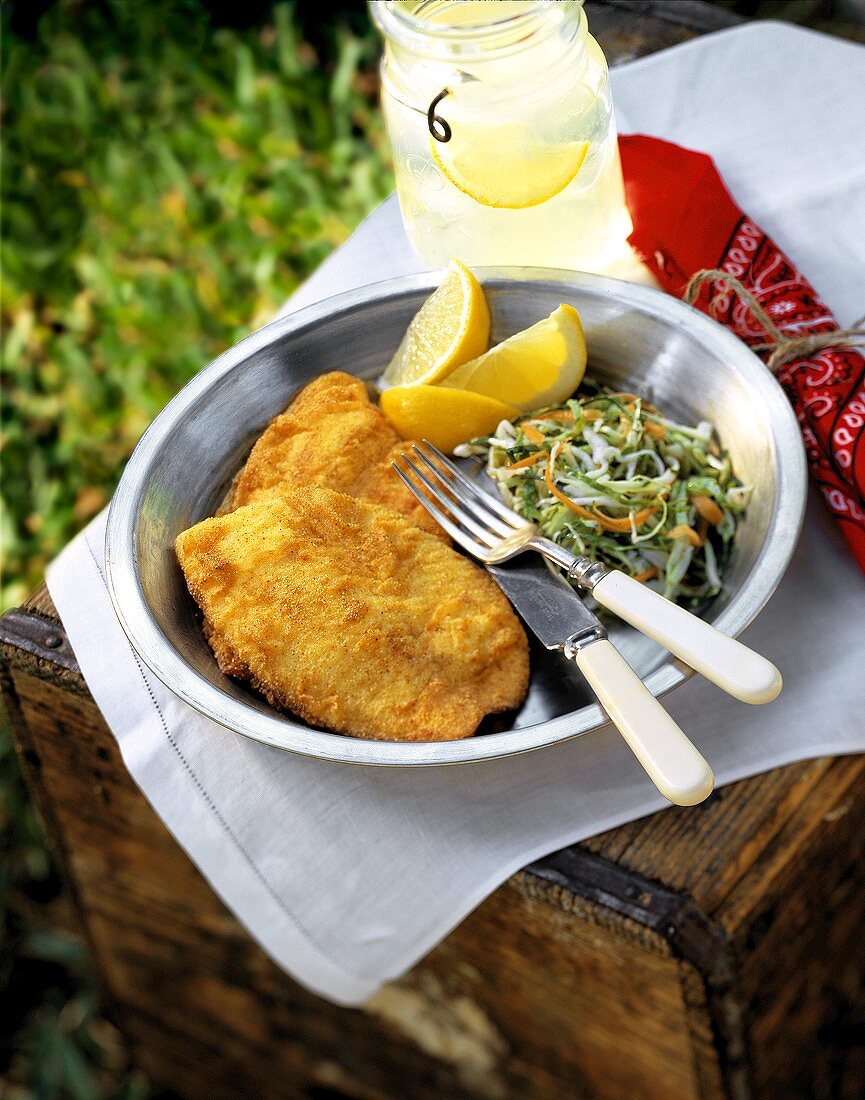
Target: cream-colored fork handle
point(673, 764)
point(732, 666)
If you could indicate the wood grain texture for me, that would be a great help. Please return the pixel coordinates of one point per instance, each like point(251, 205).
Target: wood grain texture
point(702, 968)
point(628, 29)
point(537, 986)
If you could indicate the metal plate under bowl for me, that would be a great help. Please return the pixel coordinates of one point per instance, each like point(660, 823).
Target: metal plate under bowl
point(639, 339)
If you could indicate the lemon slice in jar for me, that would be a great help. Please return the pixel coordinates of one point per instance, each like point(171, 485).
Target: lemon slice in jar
point(445, 417)
point(539, 366)
point(451, 327)
point(507, 166)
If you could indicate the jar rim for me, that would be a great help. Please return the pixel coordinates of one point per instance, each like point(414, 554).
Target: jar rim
point(397, 22)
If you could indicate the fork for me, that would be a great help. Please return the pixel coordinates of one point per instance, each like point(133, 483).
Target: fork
point(484, 526)
point(671, 761)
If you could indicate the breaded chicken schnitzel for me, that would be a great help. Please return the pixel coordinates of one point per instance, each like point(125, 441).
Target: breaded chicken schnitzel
point(331, 435)
point(347, 614)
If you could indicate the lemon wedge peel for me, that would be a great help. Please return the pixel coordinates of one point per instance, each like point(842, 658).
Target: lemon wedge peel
point(446, 417)
point(451, 328)
point(540, 366)
point(489, 167)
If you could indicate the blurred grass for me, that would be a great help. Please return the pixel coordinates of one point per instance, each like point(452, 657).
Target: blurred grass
point(166, 184)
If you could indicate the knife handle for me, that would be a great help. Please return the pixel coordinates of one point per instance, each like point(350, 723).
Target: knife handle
point(673, 764)
point(736, 669)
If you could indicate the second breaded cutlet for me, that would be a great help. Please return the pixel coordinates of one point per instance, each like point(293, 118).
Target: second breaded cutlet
point(331, 435)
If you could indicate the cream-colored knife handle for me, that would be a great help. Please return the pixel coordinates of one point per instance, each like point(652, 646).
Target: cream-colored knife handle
point(732, 666)
point(673, 764)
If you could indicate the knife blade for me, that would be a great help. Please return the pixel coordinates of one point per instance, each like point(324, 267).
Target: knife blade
point(547, 603)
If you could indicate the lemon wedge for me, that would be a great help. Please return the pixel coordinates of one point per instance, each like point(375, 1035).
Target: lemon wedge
point(539, 366)
point(451, 327)
point(445, 417)
point(507, 166)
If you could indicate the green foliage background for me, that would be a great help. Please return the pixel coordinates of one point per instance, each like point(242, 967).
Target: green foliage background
point(166, 184)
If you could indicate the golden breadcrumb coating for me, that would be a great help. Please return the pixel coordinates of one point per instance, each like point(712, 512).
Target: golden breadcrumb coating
point(351, 617)
point(331, 435)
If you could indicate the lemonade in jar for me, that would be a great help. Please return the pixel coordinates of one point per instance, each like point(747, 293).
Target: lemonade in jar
point(502, 133)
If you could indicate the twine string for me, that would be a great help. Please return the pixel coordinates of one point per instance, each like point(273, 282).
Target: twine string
point(784, 348)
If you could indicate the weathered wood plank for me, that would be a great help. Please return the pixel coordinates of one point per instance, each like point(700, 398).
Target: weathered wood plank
point(537, 990)
point(627, 29)
point(620, 939)
point(704, 851)
point(40, 603)
point(795, 921)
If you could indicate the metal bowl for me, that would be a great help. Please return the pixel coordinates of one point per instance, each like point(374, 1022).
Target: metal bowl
point(638, 339)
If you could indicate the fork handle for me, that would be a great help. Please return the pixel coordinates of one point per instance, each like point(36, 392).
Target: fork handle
point(736, 669)
point(673, 764)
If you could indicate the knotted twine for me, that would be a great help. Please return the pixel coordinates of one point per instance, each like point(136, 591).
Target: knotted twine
point(783, 348)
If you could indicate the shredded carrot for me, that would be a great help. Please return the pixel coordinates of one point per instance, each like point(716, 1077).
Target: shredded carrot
point(559, 495)
point(609, 523)
point(623, 523)
point(593, 414)
point(559, 414)
point(689, 533)
point(647, 574)
point(702, 529)
point(657, 430)
point(708, 509)
point(533, 434)
point(529, 460)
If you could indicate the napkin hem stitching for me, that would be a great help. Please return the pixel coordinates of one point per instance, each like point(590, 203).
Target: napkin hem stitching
point(211, 805)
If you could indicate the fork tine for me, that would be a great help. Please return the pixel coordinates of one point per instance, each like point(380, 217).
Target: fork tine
point(492, 502)
point(453, 506)
point(455, 532)
point(476, 508)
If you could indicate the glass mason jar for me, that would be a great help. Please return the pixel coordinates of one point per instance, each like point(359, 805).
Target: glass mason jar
point(502, 133)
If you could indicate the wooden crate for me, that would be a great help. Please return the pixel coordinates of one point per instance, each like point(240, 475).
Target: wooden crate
point(708, 952)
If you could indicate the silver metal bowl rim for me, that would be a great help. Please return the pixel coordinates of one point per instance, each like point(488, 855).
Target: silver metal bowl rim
point(160, 656)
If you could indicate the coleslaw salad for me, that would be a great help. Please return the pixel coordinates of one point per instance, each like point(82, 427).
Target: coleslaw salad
point(609, 477)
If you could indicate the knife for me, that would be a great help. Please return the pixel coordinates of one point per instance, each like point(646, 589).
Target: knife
point(554, 612)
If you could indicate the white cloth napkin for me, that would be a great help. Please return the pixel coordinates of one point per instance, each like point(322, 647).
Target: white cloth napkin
point(347, 875)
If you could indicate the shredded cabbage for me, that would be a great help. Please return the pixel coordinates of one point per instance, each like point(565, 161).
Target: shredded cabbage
point(608, 477)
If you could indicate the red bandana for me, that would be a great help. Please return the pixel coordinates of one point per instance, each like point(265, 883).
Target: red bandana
point(684, 221)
